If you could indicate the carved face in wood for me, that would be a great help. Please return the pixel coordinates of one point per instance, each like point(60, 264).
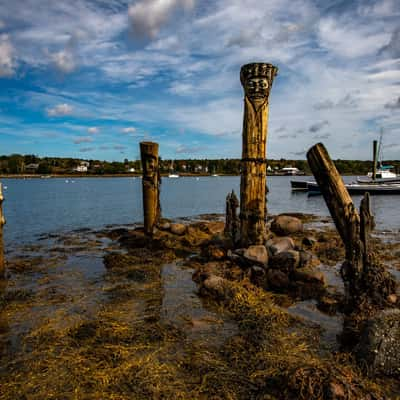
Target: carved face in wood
point(256, 88)
point(150, 166)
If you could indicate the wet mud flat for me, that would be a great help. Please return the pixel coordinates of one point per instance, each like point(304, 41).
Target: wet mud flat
point(112, 314)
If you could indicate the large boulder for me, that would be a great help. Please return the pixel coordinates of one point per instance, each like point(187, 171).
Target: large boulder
point(280, 244)
point(379, 346)
point(256, 254)
point(286, 261)
point(284, 225)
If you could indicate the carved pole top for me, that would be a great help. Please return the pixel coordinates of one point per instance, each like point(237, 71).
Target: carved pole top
point(149, 147)
point(256, 79)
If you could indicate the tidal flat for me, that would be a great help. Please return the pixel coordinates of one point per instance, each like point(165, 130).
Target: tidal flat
point(112, 314)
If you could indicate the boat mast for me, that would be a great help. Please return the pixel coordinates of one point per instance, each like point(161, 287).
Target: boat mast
point(375, 155)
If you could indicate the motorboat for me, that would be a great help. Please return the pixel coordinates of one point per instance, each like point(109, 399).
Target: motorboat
point(358, 188)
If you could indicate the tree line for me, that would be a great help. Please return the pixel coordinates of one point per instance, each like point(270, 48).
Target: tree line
point(30, 164)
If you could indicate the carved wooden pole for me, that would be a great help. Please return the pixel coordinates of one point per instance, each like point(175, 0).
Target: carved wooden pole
point(150, 185)
point(256, 80)
point(2, 222)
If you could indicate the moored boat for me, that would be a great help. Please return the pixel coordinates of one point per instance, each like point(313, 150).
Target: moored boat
point(357, 188)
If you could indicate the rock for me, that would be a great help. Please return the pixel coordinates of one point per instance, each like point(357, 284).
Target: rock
point(309, 241)
point(280, 244)
point(379, 346)
point(328, 304)
point(305, 259)
point(392, 298)
point(216, 253)
point(277, 279)
point(257, 275)
point(215, 286)
point(165, 226)
point(178, 229)
point(309, 275)
point(256, 254)
point(284, 225)
point(336, 391)
point(285, 261)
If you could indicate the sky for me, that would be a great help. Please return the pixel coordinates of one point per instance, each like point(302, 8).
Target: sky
point(92, 78)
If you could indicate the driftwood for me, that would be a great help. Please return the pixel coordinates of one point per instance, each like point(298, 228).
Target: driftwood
point(366, 280)
point(2, 222)
point(257, 80)
point(231, 217)
point(150, 185)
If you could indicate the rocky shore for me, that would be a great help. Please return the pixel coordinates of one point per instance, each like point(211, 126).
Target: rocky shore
point(187, 315)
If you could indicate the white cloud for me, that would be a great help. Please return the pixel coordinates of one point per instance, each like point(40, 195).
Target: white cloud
point(7, 62)
point(93, 130)
point(149, 16)
point(59, 110)
point(129, 130)
point(64, 61)
point(83, 139)
point(347, 39)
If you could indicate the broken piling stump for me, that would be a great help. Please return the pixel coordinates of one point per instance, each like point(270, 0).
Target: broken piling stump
point(256, 79)
point(2, 223)
point(231, 218)
point(366, 280)
point(150, 185)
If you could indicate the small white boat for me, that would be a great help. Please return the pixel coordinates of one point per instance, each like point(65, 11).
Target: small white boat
point(173, 176)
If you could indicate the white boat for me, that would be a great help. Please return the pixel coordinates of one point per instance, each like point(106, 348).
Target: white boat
point(383, 173)
point(172, 173)
point(357, 188)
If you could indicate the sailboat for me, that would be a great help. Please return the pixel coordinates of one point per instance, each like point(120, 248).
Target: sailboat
point(381, 173)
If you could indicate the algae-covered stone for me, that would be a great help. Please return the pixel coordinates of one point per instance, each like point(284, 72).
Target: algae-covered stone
point(280, 244)
point(284, 225)
point(256, 254)
point(178, 229)
point(277, 279)
point(309, 275)
point(285, 260)
point(379, 346)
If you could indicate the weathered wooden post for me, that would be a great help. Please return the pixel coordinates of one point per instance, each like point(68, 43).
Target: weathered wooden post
point(256, 79)
point(231, 217)
point(2, 222)
point(366, 280)
point(150, 185)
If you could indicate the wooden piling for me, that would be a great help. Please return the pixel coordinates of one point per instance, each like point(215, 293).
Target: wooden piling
point(231, 217)
point(256, 79)
point(364, 277)
point(150, 185)
point(2, 223)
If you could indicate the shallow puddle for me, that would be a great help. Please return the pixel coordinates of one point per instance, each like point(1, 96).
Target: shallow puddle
point(183, 307)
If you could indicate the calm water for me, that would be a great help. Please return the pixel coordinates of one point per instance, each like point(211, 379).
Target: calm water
point(37, 206)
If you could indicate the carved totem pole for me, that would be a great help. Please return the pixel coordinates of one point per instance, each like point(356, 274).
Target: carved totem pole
point(2, 222)
point(150, 185)
point(256, 79)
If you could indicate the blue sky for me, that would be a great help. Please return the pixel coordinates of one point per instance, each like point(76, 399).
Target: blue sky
point(91, 79)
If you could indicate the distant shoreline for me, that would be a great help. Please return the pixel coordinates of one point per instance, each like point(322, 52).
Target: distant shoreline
point(35, 176)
